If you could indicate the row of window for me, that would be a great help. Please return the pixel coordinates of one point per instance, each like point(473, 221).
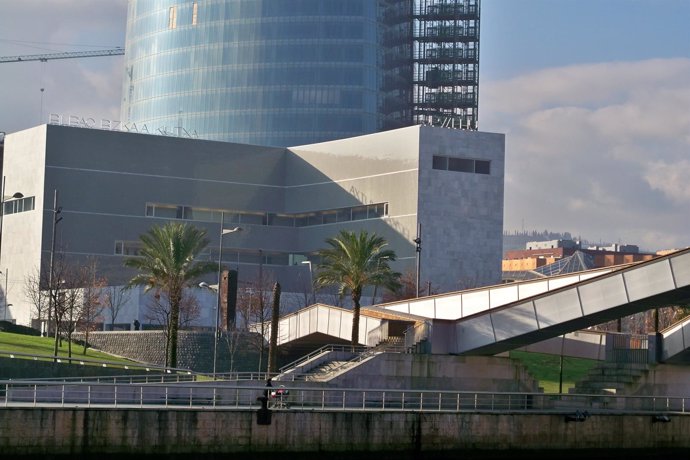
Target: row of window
point(133, 248)
point(330, 216)
point(467, 165)
point(20, 205)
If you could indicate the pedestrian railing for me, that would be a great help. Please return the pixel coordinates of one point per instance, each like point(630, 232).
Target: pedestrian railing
point(205, 396)
point(123, 379)
point(320, 351)
point(80, 360)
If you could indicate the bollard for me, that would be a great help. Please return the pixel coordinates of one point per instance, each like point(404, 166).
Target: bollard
point(263, 415)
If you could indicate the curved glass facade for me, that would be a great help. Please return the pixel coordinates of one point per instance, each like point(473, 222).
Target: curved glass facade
point(268, 72)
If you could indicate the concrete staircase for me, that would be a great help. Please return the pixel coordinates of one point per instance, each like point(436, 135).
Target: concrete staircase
point(325, 371)
point(330, 369)
point(611, 378)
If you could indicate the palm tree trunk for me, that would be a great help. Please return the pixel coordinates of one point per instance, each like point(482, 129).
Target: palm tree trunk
point(175, 298)
point(356, 295)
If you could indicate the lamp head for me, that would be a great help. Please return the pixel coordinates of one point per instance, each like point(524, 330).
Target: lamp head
point(232, 230)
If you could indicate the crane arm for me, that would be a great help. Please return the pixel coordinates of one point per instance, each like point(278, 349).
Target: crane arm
point(67, 55)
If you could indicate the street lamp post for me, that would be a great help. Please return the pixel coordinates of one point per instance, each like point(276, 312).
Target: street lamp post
point(51, 301)
point(7, 270)
point(311, 281)
point(223, 232)
point(418, 249)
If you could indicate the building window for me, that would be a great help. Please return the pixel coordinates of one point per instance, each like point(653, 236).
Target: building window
point(19, 205)
point(307, 219)
point(127, 248)
point(172, 18)
point(195, 12)
point(482, 167)
point(460, 165)
point(440, 162)
point(467, 165)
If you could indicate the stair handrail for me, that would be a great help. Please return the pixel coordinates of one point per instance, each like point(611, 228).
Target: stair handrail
point(323, 349)
point(417, 333)
point(362, 355)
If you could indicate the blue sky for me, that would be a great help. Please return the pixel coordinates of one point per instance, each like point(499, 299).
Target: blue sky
point(593, 96)
point(520, 36)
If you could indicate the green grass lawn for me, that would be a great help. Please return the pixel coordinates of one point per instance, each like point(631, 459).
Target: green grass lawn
point(20, 343)
point(545, 368)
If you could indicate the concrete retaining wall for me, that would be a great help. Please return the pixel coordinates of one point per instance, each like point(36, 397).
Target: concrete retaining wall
point(195, 349)
point(119, 431)
point(439, 372)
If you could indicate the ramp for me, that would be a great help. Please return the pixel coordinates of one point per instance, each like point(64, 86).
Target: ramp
point(635, 288)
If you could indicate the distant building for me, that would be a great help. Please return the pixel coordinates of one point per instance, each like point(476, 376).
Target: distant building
point(113, 186)
point(566, 244)
point(547, 258)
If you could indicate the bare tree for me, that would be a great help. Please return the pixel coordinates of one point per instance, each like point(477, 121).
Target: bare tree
point(231, 338)
point(92, 300)
point(114, 299)
point(254, 309)
point(159, 312)
point(646, 322)
point(408, 288)
point(33, 290)
point(273, 344)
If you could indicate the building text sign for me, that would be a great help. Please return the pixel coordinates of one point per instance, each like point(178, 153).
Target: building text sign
point(116, 125)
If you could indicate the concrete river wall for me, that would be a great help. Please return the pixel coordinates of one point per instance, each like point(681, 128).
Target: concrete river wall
point(41, 431)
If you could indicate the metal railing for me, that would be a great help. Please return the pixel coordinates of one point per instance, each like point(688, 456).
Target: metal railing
point(187, 396)
point(320, 351)
point(417, 333)
point(92, 362)
point(121, 379)
point(378, 334)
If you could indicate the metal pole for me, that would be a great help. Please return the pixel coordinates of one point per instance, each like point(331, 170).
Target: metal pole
point(220, 261)
point(560, 367)
point(6, 276)
point(418, 249)
point(2, 212)
point(56, 211)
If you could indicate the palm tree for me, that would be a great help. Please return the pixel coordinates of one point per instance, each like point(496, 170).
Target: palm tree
point(353, 262)
point(166, 263)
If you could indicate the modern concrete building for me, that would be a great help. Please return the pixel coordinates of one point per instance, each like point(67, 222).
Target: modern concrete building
point(113, 186)
point(291, 72)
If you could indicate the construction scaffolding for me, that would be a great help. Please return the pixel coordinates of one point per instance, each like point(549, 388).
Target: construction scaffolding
point(446, 63)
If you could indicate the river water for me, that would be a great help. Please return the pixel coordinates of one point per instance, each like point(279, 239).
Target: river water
point(599, 454)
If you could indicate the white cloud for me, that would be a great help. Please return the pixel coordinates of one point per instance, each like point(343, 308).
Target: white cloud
point(599, 150)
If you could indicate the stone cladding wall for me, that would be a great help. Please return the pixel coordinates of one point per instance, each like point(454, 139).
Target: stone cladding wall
point(195, 349)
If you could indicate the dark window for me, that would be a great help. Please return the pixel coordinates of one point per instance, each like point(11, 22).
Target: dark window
point(376, 210)
point(359, 213)
point(330, 217)
point(315, 219)
point(482, 167)
point(344, 215)
point(461, 165)
point(440, 162)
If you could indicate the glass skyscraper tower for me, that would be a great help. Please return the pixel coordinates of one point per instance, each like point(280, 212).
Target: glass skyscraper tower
point(291, 72)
